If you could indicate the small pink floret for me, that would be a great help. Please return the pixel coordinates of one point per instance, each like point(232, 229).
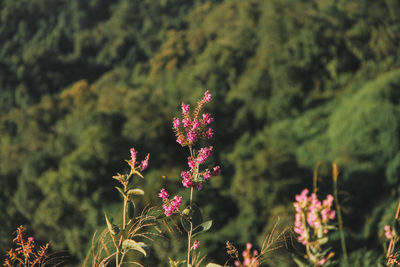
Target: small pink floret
point(163, 194)
point(207, 96)
point(185, 108)
point(196, 244)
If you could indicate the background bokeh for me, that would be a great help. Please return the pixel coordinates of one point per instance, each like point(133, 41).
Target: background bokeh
point(293, 83)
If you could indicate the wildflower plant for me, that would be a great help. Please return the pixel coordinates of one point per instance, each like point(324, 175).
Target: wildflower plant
point(27, 254)
point(123, 237)
point(313, 221)
point(189, 129)
point(392, 233)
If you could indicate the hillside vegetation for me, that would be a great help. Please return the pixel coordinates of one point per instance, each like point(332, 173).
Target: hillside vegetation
point(293, 83)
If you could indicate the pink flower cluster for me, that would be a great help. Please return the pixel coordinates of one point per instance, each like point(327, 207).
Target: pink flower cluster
point(190, 128)
point(170, 206)
point(388, 232)
point(196, 244)
point(132, 162)
point(193, 176)
point(313, 215)
point(249, 259)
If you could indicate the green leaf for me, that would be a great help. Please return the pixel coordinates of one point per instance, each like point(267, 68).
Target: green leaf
point(121, 191)
point(213, 265)
point(197, 218)
point(131, 209)
point(203, 227)
point(173, 263)
point(135, 192)
point(114, 230)
point(138, 246)
point(299, 261)
point(185, 224)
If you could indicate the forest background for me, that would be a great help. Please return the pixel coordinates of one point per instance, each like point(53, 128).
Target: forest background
point(293, 83)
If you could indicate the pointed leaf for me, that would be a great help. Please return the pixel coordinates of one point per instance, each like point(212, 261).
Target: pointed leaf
point(109, 225)
point(135, 192)
point(185, 224)
point(203, 227)
point(132, 244)
point(299, 261)
point(197, 218)
point(121, 191)
point(131, 209)
point(114, 230)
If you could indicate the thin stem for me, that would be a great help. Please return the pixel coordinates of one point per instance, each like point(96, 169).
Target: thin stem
point(191, 227)
point(315, 177)
point(335, 174)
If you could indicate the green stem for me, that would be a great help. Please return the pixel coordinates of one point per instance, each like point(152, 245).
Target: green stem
point(335, 175)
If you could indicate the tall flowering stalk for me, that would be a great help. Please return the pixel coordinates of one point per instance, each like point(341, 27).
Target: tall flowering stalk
point(123, 236)
point(312, 223)
point(392, 233)
point(189, 129)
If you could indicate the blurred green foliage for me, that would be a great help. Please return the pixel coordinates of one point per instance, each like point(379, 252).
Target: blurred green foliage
point(293, 83)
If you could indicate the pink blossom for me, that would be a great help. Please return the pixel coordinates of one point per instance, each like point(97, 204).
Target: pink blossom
point(216, 171)
point(176, 123)
point(192, 163)
point(388, 232)
point(191, 135)
point(133, 156)
point(321, 262)
point(206, 175)
point(145, 163)
point(30, 239)
point(186, 182)
point(209, 133)
point(196, 244)
point(186, 122)
point(207, 97)
point(181, 140)
point(199, 186)
point(204, 153)
point(207, 119)
point(163, 194)
point(185, 108)
point(195, 125)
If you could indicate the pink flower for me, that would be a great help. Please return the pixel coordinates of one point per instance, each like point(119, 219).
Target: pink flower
point(207, 97)
point(209, 133)
point(199, 186)
point(207, 119)
point(191, 135)
point(186, 182)
point(185, 108)
point(163, 194)
point(176, 122)
point(206, 175)
point(388, 232)
point(133, 156)
point(204, 153)
point(186, 122)
point(30, 239)
point(216, 171)
point(181, 140)
point(196, 244)
point(321, 262)
point(145, 163)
